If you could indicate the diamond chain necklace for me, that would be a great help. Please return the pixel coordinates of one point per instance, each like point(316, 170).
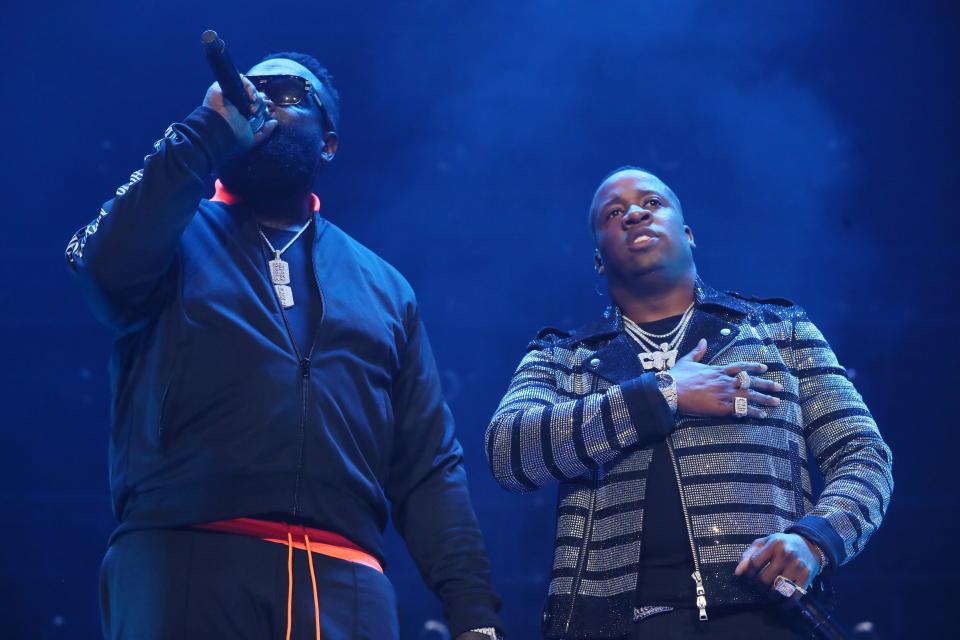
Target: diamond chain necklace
point(659, 356)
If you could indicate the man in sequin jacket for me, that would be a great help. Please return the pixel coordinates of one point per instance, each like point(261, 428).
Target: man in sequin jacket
point(679, 505)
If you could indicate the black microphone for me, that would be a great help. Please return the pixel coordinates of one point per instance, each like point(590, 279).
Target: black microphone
point(819, 621)
point(229, 79)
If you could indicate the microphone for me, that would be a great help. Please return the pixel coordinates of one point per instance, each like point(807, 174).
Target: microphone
point(229, 79)
point(819, 621)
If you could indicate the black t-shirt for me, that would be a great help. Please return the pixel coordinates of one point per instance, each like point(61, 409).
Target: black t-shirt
point(305, 314)
point(666, 560)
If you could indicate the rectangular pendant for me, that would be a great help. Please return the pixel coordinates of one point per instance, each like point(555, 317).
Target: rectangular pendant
point(284, 295)
point(279, 272)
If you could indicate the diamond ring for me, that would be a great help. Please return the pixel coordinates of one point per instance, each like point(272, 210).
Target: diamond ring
point(740, 407)
point(787, 588)
point(743, 380)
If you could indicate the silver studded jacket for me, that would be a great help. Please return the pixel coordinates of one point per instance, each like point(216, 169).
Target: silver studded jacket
point(581, 411)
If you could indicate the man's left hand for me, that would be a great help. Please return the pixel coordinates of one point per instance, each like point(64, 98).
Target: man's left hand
point(781, 554)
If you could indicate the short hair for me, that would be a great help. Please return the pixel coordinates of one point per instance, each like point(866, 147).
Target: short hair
point(674, 200)
point(323, 75)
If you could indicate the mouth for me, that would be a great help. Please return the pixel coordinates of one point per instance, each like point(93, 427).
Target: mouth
point(642, 241)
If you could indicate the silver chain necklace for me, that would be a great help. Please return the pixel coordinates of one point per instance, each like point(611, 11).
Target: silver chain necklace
point(279, 269)
point(663, 355)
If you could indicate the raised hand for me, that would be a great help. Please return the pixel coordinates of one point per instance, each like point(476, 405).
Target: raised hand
point(708, 390)
point(240, 123)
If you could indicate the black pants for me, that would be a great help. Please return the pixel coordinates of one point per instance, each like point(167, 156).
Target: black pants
point(760, 623)
point(187, 584)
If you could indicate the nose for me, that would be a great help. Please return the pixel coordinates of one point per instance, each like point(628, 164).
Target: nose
point(635, 215)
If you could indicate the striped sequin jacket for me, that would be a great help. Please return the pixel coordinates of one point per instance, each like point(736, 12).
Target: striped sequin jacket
point(580, 411)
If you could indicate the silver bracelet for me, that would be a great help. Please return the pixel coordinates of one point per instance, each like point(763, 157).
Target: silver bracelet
point(824, 560)
point(821, 556)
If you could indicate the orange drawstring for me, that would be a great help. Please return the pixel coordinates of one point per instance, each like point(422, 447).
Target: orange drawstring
point(289, 583)
point(324, 542)
point(313, 580)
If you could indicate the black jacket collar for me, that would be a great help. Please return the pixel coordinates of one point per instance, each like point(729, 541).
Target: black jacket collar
point(717, 321)
point(707, 299)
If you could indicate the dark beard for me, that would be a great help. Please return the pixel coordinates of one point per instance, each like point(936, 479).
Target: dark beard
point(279, 170)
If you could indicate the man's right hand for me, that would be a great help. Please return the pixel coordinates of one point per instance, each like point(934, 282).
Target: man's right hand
point(240, 123)
point(707, 390)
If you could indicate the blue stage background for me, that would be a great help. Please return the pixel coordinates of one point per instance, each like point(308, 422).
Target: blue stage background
point(813, 145)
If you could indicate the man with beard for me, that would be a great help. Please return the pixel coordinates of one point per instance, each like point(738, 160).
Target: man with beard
point(684, 489)
point(275, 396)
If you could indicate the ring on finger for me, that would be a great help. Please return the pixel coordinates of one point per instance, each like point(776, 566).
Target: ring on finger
point(743, 380)
point(740, 409)
point(788, 588)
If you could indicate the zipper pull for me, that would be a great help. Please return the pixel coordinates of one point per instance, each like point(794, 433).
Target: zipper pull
point(701, 595)
point(305, 368)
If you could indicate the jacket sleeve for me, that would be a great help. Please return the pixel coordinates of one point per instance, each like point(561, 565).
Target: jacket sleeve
point(841, 434)
point(427, 488)
point(543, 433)
point(122, 257)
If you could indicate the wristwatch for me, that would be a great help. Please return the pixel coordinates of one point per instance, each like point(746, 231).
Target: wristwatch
point(490, 632)
point(668, 387)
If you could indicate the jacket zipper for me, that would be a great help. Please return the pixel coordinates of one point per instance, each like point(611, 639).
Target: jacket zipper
point(582, 558)
point(303, 364)
point(696, 575)
point(725, 347)
point(305, 374)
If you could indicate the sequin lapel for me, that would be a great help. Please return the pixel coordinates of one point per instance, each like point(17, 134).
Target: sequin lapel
point(617, 361)
point(719, 332)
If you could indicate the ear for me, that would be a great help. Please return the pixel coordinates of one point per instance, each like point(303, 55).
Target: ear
point(689, 233)
point(330, 144)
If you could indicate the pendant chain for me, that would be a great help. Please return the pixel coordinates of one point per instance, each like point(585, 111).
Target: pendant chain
point(645, 338)
point(280, 270)
point(664, 355)
point(286, 246)
point(641, 330)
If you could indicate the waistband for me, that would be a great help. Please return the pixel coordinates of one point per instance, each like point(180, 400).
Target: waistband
point(323, 542)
